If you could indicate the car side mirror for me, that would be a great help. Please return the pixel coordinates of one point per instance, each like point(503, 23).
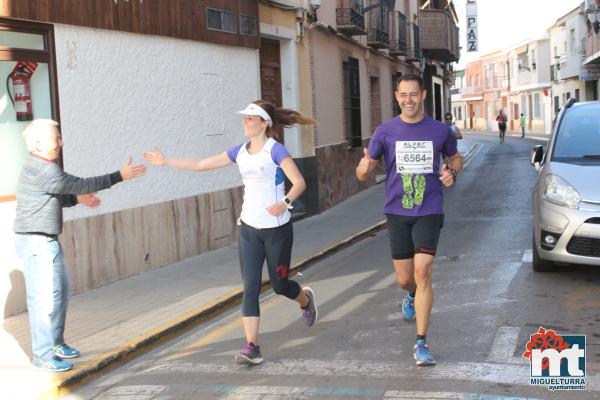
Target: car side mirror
point(537, 155)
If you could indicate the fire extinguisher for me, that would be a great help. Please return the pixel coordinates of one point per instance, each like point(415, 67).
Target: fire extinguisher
point(21, 97)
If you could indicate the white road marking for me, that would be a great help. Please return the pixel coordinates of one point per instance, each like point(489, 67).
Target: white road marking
point(346, 308)
point(528, 256)
point(137, 392)
point(298, 392)
point(503, 373)
point(385, 283)
point(504, 346)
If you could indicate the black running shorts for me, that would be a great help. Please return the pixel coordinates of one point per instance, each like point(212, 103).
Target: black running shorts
point(412, 235)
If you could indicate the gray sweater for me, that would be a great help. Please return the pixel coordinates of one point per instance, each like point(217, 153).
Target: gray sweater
point(44, 189)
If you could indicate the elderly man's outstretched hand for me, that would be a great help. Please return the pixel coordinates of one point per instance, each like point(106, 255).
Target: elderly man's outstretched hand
point(89, 200)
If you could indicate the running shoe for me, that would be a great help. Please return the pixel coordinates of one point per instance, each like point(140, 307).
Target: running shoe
point(408, 307)
point(423, 356)
point(54, 364)
point(310, 313)
point(250, 354)
point(65, 351)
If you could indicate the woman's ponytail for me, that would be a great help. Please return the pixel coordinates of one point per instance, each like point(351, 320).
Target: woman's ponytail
point(282, 118)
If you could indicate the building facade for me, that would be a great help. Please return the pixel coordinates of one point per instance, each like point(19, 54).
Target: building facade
point(591, 49)
point(473, 96)
point(567, 53)
point(357, 51)
point(459, 104)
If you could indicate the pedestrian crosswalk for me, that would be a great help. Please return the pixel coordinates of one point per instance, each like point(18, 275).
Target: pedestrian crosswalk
point(225, 392)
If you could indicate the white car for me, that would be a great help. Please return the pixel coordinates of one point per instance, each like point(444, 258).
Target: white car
point(566, 197)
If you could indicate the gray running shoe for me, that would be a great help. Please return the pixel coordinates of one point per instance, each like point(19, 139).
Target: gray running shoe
point(250, 354)
point(310, 313)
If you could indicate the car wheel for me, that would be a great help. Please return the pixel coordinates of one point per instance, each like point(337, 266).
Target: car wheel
point(539, 264)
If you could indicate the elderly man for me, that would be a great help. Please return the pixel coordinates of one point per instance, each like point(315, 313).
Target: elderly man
point(43, 190)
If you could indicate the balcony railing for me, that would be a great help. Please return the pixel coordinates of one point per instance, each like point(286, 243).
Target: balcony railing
point(377, 19)
point(349, 17)
point(413, 51)
point(439, 35)
point(377, 38)
point(591, 46)
point(471, 90)
point(398, 34)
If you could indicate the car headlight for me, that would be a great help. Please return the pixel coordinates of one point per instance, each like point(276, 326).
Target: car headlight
point(559, 192)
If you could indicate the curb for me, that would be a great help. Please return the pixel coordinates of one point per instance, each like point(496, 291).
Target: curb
point(88, 370)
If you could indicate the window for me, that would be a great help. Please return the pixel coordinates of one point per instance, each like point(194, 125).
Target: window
point(495, 75)
point(247, 25)
point(568, 96)
point(537, 113)
point(460, 113)
point(375, 103)
point(556, 105)
point(577, 94)
point(26, 52)
point(222, 21)
point(477, 110)
point(572, 40)
point(395, 105)
point(487, 72)
point(351, 82)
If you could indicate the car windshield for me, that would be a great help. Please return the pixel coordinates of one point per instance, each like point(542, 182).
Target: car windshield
point(579, 135)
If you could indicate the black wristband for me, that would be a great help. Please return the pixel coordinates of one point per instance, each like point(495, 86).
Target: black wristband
point(454, 173)
point(115, 178)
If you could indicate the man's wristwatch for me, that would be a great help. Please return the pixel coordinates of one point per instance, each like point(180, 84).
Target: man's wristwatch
point(288, 203)
point(454, 173)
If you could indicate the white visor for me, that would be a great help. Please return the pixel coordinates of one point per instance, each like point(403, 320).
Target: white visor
point(253, 109)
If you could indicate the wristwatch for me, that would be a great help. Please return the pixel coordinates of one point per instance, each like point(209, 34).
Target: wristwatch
point(454, 173)
point(288, 203)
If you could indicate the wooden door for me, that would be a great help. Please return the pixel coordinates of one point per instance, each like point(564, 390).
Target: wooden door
point(270, 72)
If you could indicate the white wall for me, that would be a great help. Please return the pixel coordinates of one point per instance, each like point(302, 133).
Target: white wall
point(123, 93)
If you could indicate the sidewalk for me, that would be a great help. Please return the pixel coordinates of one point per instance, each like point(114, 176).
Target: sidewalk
point(109, 323)
point(528, 135)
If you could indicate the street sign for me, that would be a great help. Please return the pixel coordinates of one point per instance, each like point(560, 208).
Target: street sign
point(472, 25)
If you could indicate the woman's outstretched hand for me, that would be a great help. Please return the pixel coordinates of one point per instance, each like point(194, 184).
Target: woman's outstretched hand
point(155, 157)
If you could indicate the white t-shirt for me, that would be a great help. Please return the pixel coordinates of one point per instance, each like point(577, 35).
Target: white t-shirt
point(264, 182)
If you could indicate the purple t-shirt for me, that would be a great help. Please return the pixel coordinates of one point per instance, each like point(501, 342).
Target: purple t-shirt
point(412, 155)
point(278, 152)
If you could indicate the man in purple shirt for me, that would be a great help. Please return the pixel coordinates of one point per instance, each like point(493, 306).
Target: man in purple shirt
point(412, 145)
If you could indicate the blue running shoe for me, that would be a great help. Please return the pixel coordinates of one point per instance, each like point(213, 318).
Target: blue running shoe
point(423, 356)
point(54, 364)
point(65, 351)
point(408, 307)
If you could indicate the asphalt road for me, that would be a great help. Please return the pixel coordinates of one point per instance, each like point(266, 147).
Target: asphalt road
point(488, 302)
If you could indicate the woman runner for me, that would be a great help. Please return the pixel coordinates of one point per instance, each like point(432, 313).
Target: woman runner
point(266, 230)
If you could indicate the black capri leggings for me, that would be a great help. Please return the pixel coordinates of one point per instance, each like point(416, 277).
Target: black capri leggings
point(274, 245)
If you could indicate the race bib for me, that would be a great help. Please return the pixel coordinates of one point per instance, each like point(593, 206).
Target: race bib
point(414, 157)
